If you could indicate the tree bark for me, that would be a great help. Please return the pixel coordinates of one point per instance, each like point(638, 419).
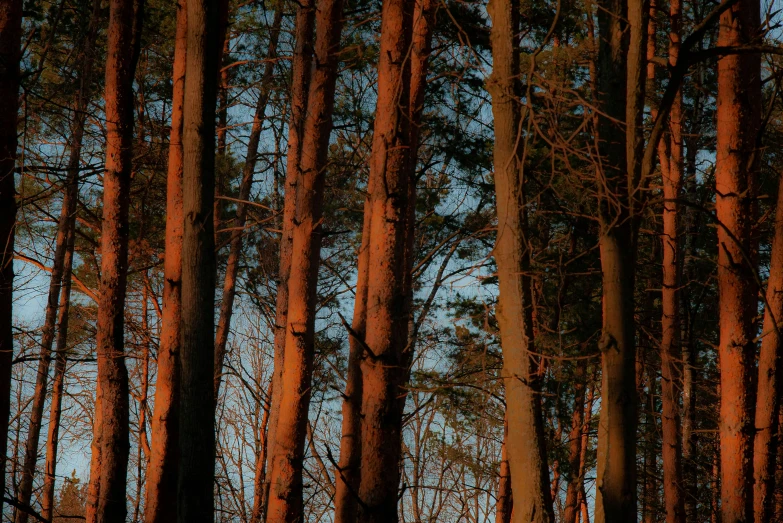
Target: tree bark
point(196, 468)
point(525, 443)
point(161, 485)
point(575, 457)
point(235, 249)
point(621, 99)
point(112, 435)
point(671, 333)
point(387, 320)
point(505, 504)
point(287, 459)
point(10, 57)
point(259, 492)
point(300, 86)
point(766, 442)
point(738, 120)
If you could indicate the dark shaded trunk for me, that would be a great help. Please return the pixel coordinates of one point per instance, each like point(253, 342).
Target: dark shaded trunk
point(113, 444)
point(195, 488)
point(10, 56)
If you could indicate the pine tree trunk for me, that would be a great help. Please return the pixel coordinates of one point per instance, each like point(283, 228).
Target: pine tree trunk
point(235, 249)
point(525, 443)
point(259, 491)
point(300, 86)
point(575, 457)
point(387, 320)
point(738, 118)
point(161, 485)
point(621, 99)
point(671, 338)
point(287, 459)
point(505, 504)
point(196, 468)
point(112, 373)
point(766, 442)
point(10, 56)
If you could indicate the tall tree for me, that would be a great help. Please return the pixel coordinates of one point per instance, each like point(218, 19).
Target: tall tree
point(195, 500)
point(248, 170)
point(525, 443)
point(161, 485)
point(69, 204)
point(670, 153)
point(738, 120)
point(10, 56)
point(285, 474)
point(112, 438)
point(620, 97)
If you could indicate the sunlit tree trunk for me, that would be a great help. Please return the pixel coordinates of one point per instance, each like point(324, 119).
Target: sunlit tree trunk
point(505, 504)
point(738, 118)
point(621, 61)
point(300, 86)
point(387, 321)
point(525, 440)
point(112, 434)
point(161, 485)
point(10, 56)
point(196, 468)
point(235, 249)
point(259, 492)
point(287, 459)
point(671, 334)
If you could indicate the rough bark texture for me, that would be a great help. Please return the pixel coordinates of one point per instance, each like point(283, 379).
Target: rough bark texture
point(195, 500)
point(387, 318)
point(259, 481)
point(300, 86)
point(161, 484)
point(10, 55)
point(767, 439)
point(575, 457)
point(620, 66)
point(235, 249)
point(112, 435)
point(671, 334)
point(505, 503)
point(525, 443)
point(738, 117)
point(286, 461)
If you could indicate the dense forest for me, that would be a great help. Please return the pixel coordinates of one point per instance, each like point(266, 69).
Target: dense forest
point(381, 261)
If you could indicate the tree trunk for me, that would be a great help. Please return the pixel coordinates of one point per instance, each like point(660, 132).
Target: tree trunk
point(195, 489)
point(505, 504)
point(671, 334)
point(113, 440)
point(387, 320)
point(575, 457)
point(235, 249)
point(70, 201)
point(287, 459)
point(525, 443)
point(161, 485)
point(738, 118)
point(259, 492)
point(766, 442)
point(300, 86)
point(621, 99)
point(10, 56)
